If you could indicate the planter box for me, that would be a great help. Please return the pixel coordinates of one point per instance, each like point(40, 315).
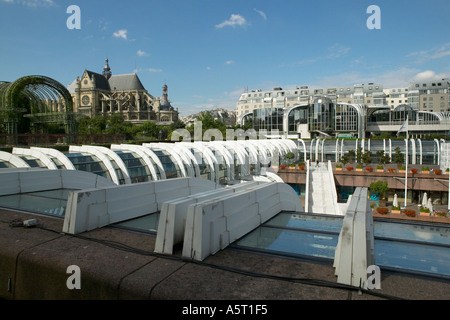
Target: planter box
point(358, 169)
point(402, 171)
point(426, 172)
point(395, 211)
point(380, 170)
point(425, 214)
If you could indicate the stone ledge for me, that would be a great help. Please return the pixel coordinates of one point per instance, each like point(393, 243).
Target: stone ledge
point(35, 261)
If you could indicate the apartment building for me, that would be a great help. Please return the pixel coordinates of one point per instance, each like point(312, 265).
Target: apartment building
point(368, 94)
point(432, 96)
point(396, 96)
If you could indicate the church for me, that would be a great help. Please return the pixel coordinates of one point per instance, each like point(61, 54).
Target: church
point(104, 94)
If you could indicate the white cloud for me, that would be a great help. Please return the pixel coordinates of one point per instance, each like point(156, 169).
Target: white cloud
point(154, 70)
point(121, 34)
point(142, 53)
point(337, 51)
point(235, 20)
point(32, 3)
point(434, 53)
point(334, 52)
point(229, 62)
point(430, 75)
point(397, 78)
point(261, 13)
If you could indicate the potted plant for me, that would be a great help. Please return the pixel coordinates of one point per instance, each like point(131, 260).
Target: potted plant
point(339, 167)
point(382, 210)
point(301, 166)
point(292, 166)
point(409, 212)
point(391, 170)
point(402, 169)
point(283, 166)
point(359, 167)
point(424, 211)
point(425, 170)
point(380, 169)
point(441, 213)
point(395, 210)
point(290, 156)
point(381, 188)
point(447, 171)
point(349, 168)
point(369, 169)
point(438, 171)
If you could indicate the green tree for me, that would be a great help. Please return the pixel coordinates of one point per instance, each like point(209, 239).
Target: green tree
point(384, 158)
point(398, 156)
point(366, 157)
point(345, 159)
point(379, 187)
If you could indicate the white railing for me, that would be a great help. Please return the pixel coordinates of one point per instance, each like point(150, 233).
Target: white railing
point(333, 189)
point(307, 187)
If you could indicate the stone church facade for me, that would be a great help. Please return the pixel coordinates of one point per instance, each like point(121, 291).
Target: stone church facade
point(104, 94)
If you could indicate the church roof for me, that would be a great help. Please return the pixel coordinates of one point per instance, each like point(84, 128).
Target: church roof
point(125, 82)
point(108, 82)
point(100, 81)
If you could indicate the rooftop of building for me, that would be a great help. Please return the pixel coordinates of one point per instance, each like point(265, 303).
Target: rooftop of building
point(119, 264)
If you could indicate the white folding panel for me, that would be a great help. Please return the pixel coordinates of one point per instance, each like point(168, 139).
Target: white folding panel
point(212, 225)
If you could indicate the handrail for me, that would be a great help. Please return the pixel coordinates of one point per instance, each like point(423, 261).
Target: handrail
point(307, 187)
point(333, 188)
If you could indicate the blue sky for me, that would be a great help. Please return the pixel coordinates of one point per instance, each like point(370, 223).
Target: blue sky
point(208, 52)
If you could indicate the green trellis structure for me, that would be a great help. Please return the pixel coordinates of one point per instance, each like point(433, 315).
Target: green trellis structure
point(41, 99)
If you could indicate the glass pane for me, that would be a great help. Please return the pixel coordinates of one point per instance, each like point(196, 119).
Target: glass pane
point(144, 223)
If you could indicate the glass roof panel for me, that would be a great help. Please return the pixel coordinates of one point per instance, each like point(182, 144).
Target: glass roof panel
point(50, 202)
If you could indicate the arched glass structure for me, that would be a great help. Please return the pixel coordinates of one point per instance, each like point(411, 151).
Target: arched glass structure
point(223, 162)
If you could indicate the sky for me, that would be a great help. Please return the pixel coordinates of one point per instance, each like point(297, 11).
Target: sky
point(209, 52)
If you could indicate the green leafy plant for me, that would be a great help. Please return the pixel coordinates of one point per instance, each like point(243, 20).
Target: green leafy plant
point(382, 210)
point(398, 156)
point(441, 213)
point(395, 208)
point(380, 187)
point(410, 212)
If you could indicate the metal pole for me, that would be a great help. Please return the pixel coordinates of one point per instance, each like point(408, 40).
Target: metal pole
point(406, 167)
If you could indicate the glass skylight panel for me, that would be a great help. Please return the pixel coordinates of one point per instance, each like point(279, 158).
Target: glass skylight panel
point(50, 202)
